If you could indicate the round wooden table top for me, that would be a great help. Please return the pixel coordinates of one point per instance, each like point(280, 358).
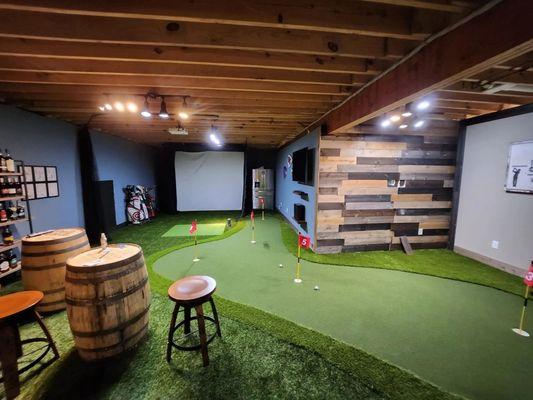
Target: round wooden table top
point(112, 254)
point(14, 303)
point(54, 236)
point(192, 288)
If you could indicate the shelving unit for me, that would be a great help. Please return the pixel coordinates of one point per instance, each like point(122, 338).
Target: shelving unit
point(19, 175)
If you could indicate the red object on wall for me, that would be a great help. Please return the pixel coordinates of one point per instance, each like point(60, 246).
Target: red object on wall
point(304, 241)
point(528, 279)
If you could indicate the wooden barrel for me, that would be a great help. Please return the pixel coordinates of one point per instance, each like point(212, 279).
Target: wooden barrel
point(43, 263)
point(108, 300)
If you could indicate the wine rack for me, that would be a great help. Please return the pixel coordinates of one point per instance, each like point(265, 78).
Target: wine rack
point(20, 177)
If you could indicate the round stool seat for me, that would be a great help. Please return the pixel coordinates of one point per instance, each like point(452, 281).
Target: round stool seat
point(192, 288)
point(14, 303)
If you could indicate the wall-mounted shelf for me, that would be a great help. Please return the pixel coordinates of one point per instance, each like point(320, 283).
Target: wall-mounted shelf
point(10, 271)
point(11, 246)
point(13, 222)
point(12, 198)
point(302, 195)
point(10, 173)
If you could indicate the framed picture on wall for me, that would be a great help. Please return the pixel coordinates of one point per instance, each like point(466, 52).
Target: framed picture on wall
point(520, 168)
point(53, 189)
point(28, 174)
point(51, 174)
point(30, 190)
point(41, 190)
point(39, 174)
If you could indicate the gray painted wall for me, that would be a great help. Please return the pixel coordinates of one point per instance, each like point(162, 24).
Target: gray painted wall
point(125, 163)
point(46, 141)
point(486, 212)
point(285, 198)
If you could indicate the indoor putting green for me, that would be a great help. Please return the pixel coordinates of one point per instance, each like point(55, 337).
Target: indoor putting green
point(454, 334)
point(203, 230)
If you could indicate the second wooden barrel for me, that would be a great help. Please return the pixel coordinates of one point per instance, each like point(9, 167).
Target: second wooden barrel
point(43, 263)
point(108, 300)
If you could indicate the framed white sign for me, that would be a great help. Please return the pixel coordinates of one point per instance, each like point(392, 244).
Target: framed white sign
point(520, 168)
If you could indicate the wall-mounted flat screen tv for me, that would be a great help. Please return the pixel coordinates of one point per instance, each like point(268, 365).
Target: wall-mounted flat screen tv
point(303, 166)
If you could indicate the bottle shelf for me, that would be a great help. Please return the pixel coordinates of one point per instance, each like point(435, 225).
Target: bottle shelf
point(11, 198)
point(13, 222)
point(11, 246)
point(10, 271)
point(10, 173)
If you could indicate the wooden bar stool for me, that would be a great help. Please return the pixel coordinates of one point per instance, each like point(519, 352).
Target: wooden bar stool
point(14, 308)
point(192, 292)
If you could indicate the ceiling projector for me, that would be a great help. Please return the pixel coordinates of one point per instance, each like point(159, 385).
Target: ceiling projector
point(178, 130)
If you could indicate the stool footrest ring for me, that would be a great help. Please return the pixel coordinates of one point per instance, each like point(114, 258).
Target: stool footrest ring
point(194, 347)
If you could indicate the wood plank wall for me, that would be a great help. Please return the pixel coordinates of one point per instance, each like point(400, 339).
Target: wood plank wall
point(376, 185)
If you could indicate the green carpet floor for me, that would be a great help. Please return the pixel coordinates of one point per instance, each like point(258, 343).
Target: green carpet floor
point(454, 334)
point(203, 230)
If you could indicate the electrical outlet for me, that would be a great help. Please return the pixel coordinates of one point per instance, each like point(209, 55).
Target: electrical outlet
point(420, 231)
point(495, 244)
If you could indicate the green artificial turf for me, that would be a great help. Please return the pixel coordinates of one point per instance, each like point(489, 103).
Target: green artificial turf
point(203, 230)
point(435, 262)
point(454, 334)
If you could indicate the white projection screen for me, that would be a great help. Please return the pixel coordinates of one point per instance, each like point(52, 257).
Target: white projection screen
point(210, 180)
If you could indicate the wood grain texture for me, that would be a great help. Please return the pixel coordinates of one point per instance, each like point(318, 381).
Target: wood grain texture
point(375, 188)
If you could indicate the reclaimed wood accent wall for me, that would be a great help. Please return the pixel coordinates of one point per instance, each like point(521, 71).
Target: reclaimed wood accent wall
point(376, 186)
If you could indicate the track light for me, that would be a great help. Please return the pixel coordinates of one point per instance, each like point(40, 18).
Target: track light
point(119, 106)
point(403, 126)
point(407, 114)
point(214, 137)
point(163, 111)
point(423, 105)
point(419, 123)
point(101, 108)
point(108, 106)
point(146, 109)
point(132, 107)
point(385, 123)
point(184, 115)
point(395, 118)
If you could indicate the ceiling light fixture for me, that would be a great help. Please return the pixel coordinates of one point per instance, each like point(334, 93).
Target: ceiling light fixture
point(407, 114)
point(108, 106)
point(419, 123)
point(385, 123)
point(146, 109)
point(101, 108)
point(214, 137)
point(163, 111)
point(403, 126)
point(132, 107)
point(395, 118)
point(423, 105)
point(119, 106)
point(184, 115)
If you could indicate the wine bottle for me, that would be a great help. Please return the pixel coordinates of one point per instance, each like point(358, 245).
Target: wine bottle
point(13, 260)
point(3, 166)
point(18, 187)
point(21, 211)
point(12, 212)
point(12, 188)
point(3, 213)
point(10, 163)
point(7, 236)
point(3, 187)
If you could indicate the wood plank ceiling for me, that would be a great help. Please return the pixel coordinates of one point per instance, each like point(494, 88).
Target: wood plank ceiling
point(259, 71)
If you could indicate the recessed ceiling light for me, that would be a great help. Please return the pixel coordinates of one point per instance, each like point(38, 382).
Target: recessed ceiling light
point(183, 115)
point(423, 105)
point(108, 106)
point(119, 106)
point(385, 123)
point(395, 118)
point(132, 107)
point(407, 114)
point(419, 124)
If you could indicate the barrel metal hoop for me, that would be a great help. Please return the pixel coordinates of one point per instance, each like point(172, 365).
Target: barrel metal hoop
point(113, 346)
point(107, 300)
point(84, 281)
point(29, 268)
point(56, 252)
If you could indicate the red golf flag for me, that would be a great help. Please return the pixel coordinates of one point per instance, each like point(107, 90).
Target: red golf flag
point(252, 216)
point(528, 279)
point(304, 241)
point(193, 227)
point(261, 200)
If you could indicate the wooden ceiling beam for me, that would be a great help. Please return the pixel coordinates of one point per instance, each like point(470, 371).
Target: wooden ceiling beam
point(55, 91)
point(451, 95)
point(343, 16)
point(17, 47)
point(168, 82)
point(442, 5)
point(463, 52)
point(503, 76)
point(121, 68)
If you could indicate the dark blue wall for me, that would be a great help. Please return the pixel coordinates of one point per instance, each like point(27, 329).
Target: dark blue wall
point(285, 198)
point(38, 140)
point(125, 163)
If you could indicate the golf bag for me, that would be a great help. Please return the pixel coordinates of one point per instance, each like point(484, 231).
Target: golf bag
point(139, 204)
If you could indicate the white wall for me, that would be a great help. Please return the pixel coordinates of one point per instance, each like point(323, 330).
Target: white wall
point(486, 211)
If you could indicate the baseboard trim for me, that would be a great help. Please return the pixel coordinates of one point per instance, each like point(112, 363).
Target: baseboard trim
point(490, 261)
